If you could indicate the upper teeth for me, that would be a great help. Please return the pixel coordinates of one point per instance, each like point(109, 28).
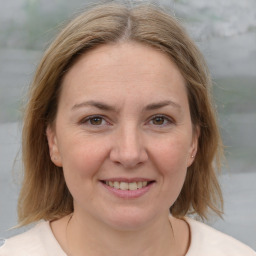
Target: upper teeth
point(126, 185)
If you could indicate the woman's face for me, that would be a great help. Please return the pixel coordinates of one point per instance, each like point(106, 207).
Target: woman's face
point(123, 135)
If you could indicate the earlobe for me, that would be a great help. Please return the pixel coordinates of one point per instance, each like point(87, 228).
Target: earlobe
point(53, 146)
point(191, 157)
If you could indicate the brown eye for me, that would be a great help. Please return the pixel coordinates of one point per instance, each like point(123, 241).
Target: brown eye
point(96, 120)
point(159, 120)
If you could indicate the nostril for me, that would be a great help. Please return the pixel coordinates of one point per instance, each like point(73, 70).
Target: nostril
point(128, 159)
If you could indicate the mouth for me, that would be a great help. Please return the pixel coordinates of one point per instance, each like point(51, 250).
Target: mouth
point(127, 186)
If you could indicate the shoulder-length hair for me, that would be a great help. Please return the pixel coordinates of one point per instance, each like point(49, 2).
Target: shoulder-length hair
point(44, 194)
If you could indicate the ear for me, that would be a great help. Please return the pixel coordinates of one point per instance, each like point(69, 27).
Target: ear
point(53, 146)
point(194, 146)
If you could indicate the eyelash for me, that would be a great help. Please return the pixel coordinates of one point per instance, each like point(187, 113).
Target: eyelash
point(88, 120)
point(165, 118)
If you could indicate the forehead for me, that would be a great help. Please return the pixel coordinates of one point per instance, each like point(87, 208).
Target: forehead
point(125, 68)
point(126, 54)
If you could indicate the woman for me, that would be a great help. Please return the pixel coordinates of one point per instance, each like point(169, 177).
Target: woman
point(120, 132)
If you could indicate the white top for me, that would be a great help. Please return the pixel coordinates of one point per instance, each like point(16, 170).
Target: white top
point(205, 241)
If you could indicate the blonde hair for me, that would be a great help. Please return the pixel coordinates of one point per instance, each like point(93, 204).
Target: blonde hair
point(44, 194)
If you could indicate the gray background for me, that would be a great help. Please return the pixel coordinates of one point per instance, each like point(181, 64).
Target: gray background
point(225, 32)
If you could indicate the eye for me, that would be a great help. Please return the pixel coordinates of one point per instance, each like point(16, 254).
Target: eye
point(94, 121)
point(160, 120)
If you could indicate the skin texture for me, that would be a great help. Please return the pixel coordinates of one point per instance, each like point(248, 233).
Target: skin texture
point(141, 128)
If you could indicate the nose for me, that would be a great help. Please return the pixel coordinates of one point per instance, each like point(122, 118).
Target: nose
point(128, 148)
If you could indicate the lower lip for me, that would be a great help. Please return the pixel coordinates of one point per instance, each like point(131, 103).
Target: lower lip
point(129, 194)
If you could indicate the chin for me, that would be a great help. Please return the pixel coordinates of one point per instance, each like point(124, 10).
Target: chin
point(129, 219)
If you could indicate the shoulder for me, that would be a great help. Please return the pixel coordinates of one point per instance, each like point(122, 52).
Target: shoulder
point(37, 241)
point(207, 241)
point(27, 243)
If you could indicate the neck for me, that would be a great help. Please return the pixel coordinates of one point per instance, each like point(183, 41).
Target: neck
point(97, 239)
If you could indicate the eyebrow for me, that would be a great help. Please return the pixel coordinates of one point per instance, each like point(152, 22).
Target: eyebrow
point(92, 103)
point(106, 107)
point(162, 104)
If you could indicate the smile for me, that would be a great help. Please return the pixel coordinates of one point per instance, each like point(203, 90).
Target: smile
point(128, 189)
point(127, 185)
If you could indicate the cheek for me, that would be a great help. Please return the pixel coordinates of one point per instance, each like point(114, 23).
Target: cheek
point(172, 153)
point(171, 161)
point(82, 159)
